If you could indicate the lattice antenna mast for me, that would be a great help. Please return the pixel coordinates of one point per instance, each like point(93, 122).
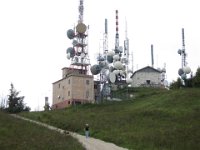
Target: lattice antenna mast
point(105, 38)
point(117, 34)
point(81, 9)
point(126, 46)
point(183, 49)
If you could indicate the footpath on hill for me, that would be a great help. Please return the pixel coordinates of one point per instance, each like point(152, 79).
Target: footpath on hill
point(89, 143)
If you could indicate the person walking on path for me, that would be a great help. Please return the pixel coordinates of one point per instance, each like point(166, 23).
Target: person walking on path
point(87, 132)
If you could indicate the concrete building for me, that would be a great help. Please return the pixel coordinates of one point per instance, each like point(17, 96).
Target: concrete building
point(75, 87)
point(147, 77)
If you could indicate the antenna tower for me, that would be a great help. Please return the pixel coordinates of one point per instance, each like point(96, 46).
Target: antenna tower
point(78, 54)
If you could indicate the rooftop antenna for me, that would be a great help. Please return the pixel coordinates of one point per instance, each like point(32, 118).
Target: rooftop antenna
point(152, 58)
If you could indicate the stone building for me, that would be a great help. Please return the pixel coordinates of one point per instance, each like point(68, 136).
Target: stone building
point(75, 87)
point(147, 77)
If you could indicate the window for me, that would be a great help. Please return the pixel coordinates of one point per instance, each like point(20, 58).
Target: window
point(87, 82)
point(148, 81)
point(69, 81)
point(87, 94)
point(59, 85)
point(68, 93)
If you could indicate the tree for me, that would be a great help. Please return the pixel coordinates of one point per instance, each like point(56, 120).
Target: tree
point(196, 81)
point(176, 84)
point(15, 102)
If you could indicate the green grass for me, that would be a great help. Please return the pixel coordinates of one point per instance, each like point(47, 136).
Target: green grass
point(156, 119)
point(16, 134)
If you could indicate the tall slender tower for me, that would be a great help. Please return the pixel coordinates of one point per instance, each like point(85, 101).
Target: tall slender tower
point(78, 54)
point(105, 38)
point(184, 68)
point(117, 34)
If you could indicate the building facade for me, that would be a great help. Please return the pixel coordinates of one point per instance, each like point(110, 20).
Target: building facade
point(75, 87)
point(147, 77)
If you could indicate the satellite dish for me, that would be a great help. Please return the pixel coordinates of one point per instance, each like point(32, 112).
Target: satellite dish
point(118, 65)
point(111, 53)
point(129, 80)
point(116, 72)
point(81, 28)
point(95, 69)
point(112, 77)
point(70, 34)
point(186, 69)
point(68, 55)
point(70, 49)
point(180, 71)
point(75, 42)
point(183, 76)
point(116, 57)
point(179, 51)
point(110, 59)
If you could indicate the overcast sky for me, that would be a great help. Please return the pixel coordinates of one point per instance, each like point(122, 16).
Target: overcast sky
point(33, 39)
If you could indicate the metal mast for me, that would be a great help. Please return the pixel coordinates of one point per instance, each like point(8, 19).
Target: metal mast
point(117, 34)
point(78, 54)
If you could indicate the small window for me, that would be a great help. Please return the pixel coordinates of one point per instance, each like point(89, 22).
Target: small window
point(87, 94)
point(69, 81)
point(68, 102)
point(87, 82)
point(68, 93)
point(59, 85)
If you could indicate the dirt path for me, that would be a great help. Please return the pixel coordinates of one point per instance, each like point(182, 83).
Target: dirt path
point(89, 143)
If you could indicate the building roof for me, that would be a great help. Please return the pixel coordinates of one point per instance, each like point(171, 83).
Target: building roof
point(146, 69)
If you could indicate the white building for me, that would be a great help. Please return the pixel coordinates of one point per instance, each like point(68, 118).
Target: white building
point(147, 77)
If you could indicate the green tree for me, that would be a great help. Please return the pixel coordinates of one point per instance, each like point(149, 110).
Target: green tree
point(196, 80)
point(15, 102)
point(176, 84)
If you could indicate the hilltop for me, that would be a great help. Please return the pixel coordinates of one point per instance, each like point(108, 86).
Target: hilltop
point(151, 119)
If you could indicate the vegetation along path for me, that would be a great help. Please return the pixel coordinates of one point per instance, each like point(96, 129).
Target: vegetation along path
point(89, 143)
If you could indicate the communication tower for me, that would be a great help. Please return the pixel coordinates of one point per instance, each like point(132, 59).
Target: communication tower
point(78, 53)
point(184, 70)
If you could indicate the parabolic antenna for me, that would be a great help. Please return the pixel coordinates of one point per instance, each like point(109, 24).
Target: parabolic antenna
point(81, 28)
point(116, 72)
point(75, 42)
point(70, 34)
point(95, 69)
point(118, 65)
point(68, 55)
point(129, 80)
point(112, 77)
point(180, 71)
point(70, 49)
point(111, 53)
point(186, 69)
point(116, 57)
point(183, 76)
point(179, 51)
point(110, 59)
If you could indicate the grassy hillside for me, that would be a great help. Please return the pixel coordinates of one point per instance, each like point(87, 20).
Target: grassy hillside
point(16, 134)
point(156, 119)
